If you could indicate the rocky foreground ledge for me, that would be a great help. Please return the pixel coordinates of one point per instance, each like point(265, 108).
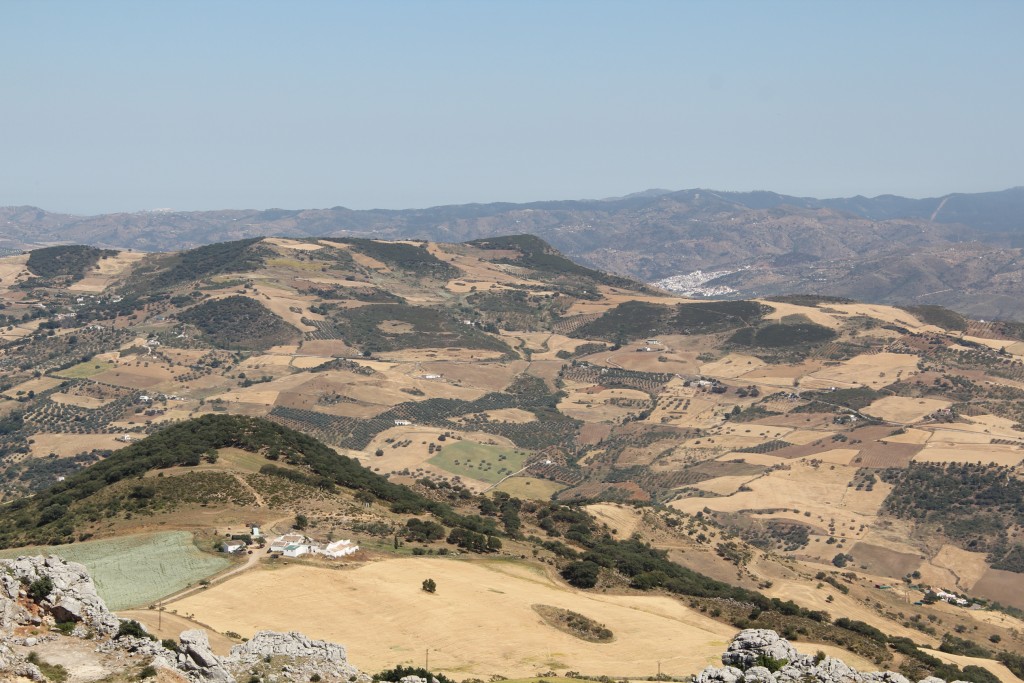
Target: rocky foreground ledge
point(763, 656)
point(37, 594)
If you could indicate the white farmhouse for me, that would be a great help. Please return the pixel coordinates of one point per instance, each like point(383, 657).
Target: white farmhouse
point(296, 549)
point(337, 549)
point(279, 544)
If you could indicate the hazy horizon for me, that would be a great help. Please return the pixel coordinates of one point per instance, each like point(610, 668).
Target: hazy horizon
point(171, 209)
point(114, 106)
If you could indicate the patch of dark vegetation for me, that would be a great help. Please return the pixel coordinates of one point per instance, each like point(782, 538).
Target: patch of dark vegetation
point(582, 350)
point(938, 316)
point(783, 335)
point(172, 270)
point(409, 258)
point(750, 413)
point(68, 263)
point(973, 505)
point(1014, 662)
point(717, 316)
point(627, 322)
point(391, 327)
point(633, 320)
point(399, 672)
point(575, 624)
point(955, 645)
point(515, 309)
point(239, 322)
point(856, 398)
point(374, 295)
point(538, 255)
point(766, 447)
point(809, 300)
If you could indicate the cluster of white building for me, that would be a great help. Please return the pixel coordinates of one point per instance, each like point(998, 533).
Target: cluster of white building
point(297, 545)
point(951, 598)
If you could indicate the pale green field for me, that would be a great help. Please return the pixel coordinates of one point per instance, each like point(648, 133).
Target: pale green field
point(241, 460)
point(134, 571)
point(529, 488)
point(87, 369)
point(478, 461)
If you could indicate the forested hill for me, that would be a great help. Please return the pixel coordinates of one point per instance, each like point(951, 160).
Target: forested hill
point(56, 514)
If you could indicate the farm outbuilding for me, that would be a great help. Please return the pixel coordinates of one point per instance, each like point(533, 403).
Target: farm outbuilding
point(337, 549)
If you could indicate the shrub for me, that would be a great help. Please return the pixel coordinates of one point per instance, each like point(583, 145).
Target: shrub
point(133, 629)
point(770, 663)
point(147, 672)
point(582, 574)
point(400, 672)
point(40, 588)
point(429, 585)
point(65, 627)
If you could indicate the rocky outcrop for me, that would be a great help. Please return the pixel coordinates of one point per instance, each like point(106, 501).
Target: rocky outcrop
point(762, 656)
point(756, 643)
point(291, 656)
point(197, 660)
point(73, 595)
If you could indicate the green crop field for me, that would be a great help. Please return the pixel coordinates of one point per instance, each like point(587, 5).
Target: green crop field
point(87, 369)
point(477, 461)
point(136, 571)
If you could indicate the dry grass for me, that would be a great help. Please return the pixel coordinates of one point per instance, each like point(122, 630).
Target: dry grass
point(65, 445)
point(823, 492)
point(876, 371)
point(37, 385)
point(1001, 585)
point(905, 410)
point(1009, 456)
point(474, 601)
point(292, 244)
point(529, 488)
point(968, 567)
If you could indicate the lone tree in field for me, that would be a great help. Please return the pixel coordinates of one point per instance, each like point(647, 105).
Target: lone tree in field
point(301, 522)
point(429, 585)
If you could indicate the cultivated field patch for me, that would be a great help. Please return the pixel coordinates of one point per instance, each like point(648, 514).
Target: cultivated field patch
point(136, 570)
point(904, 409)
point(479, 461)
point(87, 369)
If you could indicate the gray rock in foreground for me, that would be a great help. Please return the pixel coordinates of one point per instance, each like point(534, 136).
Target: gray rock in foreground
point(73, 597)
point(748, 652)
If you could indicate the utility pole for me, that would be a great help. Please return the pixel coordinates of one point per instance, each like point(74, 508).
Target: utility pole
point(427, 663)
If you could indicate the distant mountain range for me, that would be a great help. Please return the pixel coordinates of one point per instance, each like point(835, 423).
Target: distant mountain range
point(960, 250)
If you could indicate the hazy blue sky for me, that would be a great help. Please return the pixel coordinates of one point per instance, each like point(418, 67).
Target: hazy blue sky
point(109, 106)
